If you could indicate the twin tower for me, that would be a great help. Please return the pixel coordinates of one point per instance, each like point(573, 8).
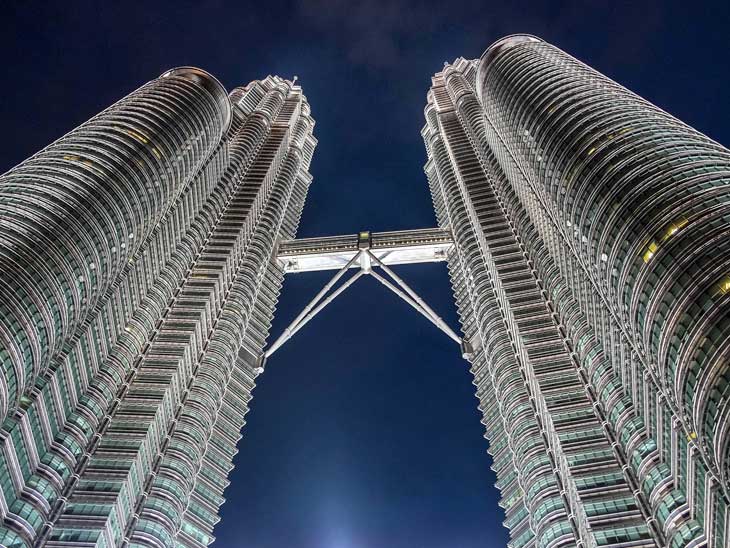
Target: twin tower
point(587, 234)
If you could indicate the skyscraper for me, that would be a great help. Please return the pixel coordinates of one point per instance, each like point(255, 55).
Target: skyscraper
point(591, 272)
point(137, 287)
point(142, 254)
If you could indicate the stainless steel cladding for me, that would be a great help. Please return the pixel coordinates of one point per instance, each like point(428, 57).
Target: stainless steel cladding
point(591, 267)
point(137, 258)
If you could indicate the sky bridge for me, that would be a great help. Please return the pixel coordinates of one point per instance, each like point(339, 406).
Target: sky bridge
point(366, 251)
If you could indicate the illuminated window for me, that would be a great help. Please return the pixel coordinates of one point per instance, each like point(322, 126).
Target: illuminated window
point(723, 288)
point(667, 232)
point(673, 228)
point(650, 251)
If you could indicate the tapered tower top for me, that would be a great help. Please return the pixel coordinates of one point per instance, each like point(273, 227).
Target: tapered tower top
point(210, 83)
point(504, 44)
point(498, 47)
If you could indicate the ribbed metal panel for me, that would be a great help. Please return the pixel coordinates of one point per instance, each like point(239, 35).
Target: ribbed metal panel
point(617, 213)
point(128, 435)
point(73, 215)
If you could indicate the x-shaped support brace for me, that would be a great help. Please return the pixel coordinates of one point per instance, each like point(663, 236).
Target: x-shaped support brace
point(367, 260)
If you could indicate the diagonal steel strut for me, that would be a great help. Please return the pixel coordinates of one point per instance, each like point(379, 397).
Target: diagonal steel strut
point(367, 261)
point(425, 309)
point(415, 305)
point(294, 326)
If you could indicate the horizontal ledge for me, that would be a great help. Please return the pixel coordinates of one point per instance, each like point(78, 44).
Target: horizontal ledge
point(333, 252)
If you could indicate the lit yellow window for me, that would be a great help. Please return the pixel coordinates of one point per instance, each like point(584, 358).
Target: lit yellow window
point(136, 135)
point(674, 227)
point(650, 251)
point(667, 232)
point(723, 288)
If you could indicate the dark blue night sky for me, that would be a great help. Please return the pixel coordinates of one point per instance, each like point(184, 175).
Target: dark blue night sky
point(364, 431)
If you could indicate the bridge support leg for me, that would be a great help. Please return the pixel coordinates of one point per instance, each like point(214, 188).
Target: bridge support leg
point(367, 261)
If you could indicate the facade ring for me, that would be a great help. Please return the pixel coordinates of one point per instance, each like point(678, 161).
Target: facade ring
point(211, 84)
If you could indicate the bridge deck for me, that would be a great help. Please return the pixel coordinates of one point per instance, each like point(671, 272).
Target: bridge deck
point(426, 245)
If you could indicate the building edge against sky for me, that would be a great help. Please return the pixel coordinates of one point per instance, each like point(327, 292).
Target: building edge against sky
point(589, 265)
point(137, 288)
point(591, 274)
